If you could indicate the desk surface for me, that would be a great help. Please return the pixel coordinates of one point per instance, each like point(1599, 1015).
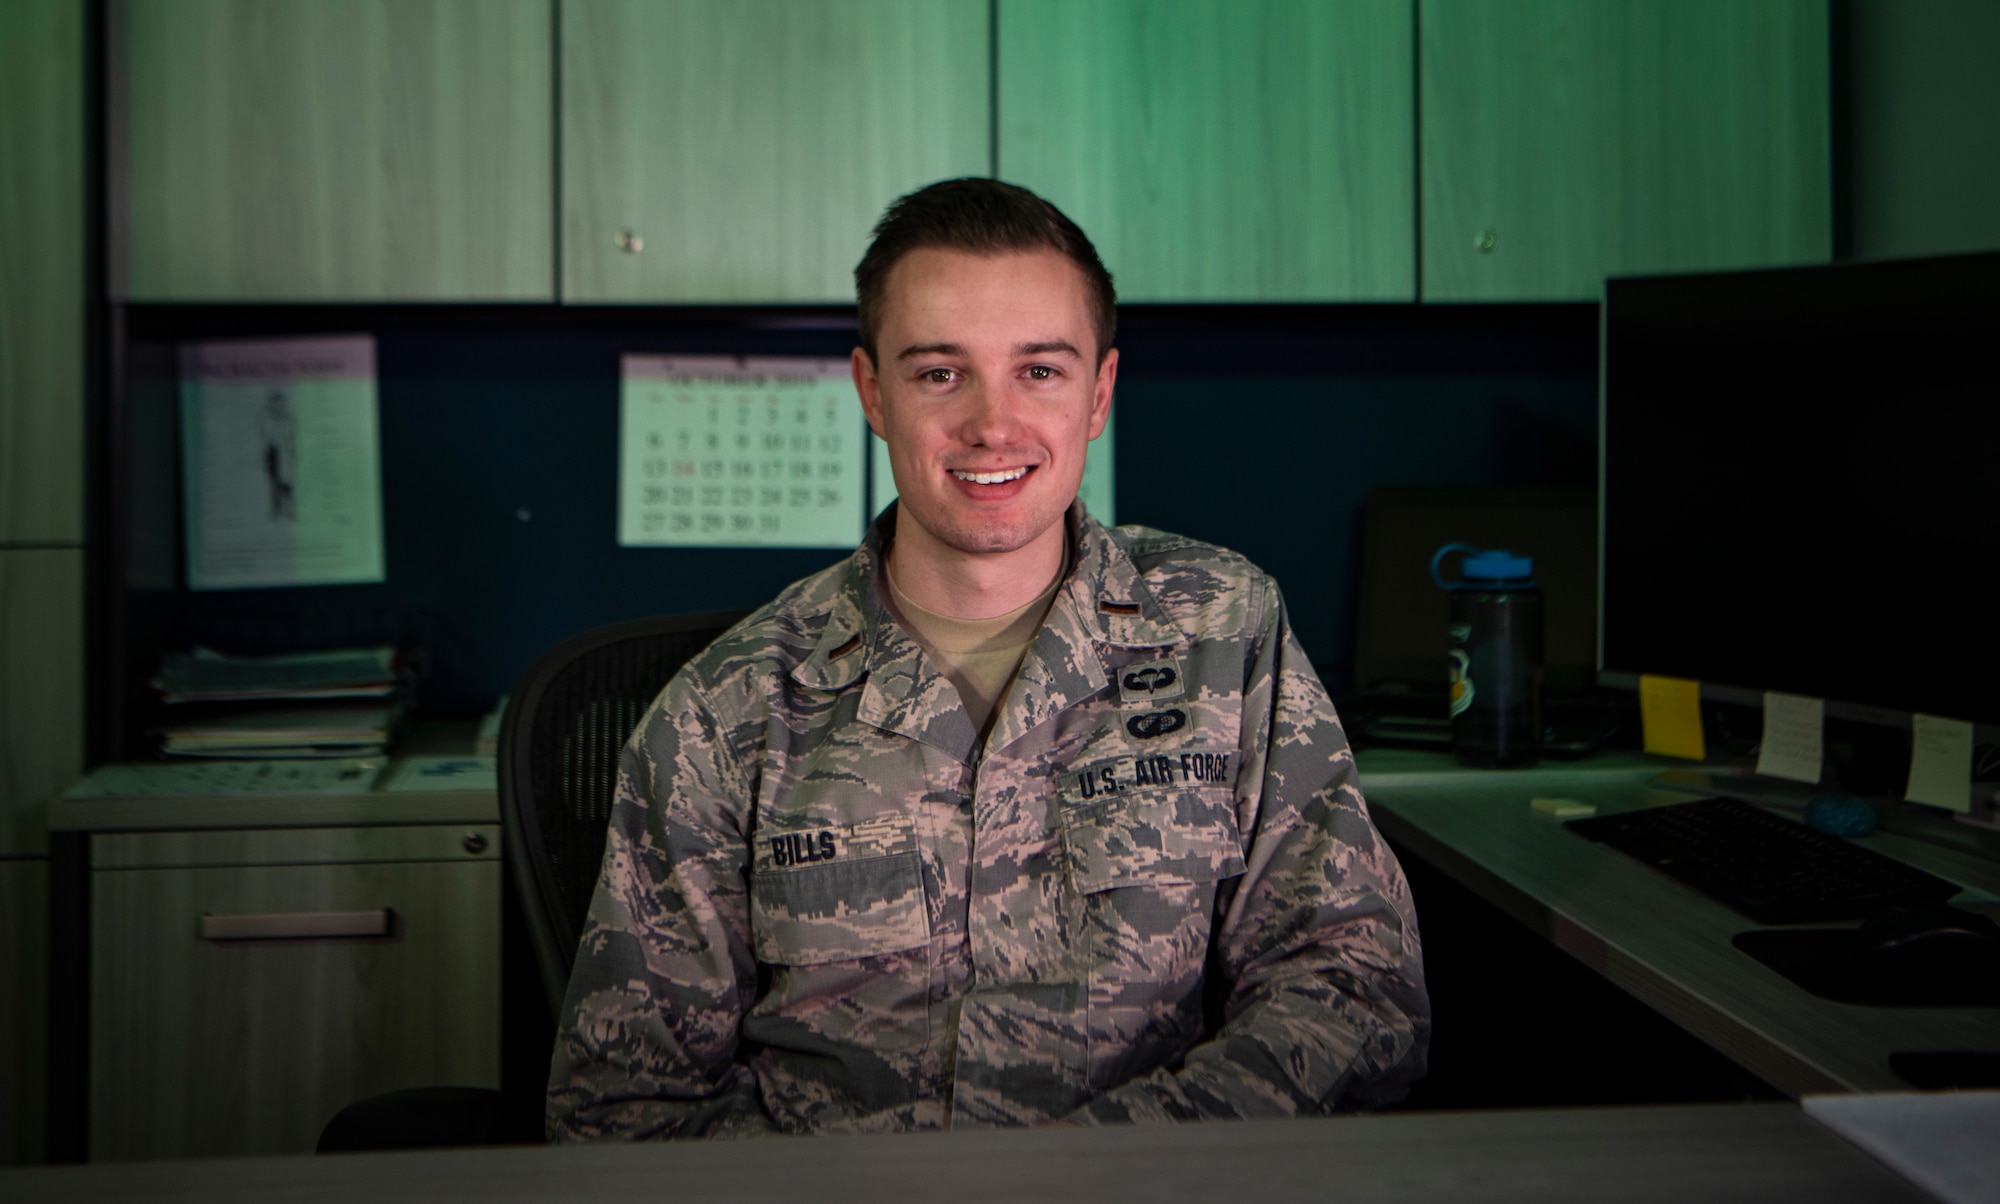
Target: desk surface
point(1719, 1152)
point(360, 808)
point(365, 809)
point(1658, 940)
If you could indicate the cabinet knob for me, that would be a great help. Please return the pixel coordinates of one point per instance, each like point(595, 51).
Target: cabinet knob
point(475, 843)
point(629, 242)
point(1483, 241)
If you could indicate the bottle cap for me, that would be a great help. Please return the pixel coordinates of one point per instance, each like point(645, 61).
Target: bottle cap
point(1483, 566)
point(1496, 565)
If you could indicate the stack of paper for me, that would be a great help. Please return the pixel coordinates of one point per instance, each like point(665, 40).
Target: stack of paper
point(207, 676)
point(283, 731)
point(344, 703)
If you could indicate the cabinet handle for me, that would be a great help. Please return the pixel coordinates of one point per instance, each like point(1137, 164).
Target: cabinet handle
point(293, 925)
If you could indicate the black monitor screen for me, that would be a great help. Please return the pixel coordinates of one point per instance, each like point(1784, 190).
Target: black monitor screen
point(1801, 482)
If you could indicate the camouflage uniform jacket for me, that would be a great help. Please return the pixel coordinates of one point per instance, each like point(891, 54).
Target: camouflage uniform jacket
point(1153, 894)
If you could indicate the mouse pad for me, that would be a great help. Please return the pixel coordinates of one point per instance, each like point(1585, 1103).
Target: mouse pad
point(1824, 961)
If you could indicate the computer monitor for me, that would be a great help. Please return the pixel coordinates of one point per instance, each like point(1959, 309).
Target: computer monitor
point(1800, 486)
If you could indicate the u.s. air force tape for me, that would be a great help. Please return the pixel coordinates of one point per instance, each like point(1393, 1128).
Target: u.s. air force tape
point(1182, 769)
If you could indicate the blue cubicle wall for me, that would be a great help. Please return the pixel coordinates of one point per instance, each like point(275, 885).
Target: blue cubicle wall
point(1262, 428)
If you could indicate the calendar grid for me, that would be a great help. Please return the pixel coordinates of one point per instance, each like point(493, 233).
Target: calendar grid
point(722, 451)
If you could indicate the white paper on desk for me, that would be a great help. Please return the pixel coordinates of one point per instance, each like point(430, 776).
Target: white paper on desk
point(1794, 737)
point(1943, 1142)
point(1099, 469)
point(281, 468)
point(1940, 762)
point(197, 779)
point(423, 774)
point(739, 452)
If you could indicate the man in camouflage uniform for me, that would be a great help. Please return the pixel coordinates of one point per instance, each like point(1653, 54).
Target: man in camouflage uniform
point(843, 890)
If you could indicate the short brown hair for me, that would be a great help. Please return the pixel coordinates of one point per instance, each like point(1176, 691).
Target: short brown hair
point(983, 217)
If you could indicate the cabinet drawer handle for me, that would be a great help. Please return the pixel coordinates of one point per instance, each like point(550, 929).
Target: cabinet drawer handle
point(291, 925)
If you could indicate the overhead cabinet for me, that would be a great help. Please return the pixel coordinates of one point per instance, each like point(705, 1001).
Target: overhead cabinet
point(294, 150)
point(42, 312)
point(41, 271)
point(1220, 150)
point(1567, 140)
point(742, 152)
point(1215, 150)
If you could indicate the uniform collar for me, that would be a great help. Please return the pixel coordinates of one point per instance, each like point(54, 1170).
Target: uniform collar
point(857, 624)
point(1104, 601)
point(1111, 599)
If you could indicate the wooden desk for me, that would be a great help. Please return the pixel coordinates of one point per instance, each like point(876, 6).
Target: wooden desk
point(178, 1041)
point(1710, 1153)
point(1658, 940)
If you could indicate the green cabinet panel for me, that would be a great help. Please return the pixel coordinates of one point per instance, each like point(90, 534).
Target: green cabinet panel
point(208, 1047)
point(1567, 140)
point(742, 152)
point(24, 1010)
point(298, 150)
point(41, 688)
point(41, 270)
point(1221, 150)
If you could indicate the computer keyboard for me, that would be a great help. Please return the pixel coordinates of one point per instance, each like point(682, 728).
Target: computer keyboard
point(1769, 868)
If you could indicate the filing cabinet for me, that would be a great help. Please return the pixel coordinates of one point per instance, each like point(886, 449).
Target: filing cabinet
point(246, 984)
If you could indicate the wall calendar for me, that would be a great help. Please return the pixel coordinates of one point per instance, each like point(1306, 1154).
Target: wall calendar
point(728, 451)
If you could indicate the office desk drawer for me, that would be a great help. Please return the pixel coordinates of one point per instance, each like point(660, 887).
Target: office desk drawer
point(247, 1040)
point(295, 846)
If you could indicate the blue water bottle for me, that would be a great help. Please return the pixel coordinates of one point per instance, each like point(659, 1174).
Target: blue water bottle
point(1495, 648)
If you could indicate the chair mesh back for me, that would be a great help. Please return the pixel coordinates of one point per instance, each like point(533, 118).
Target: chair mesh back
point(566, 729)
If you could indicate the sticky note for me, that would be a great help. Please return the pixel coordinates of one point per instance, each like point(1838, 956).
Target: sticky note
point(1940, 762)
point(1563, 808)
point(1794, 737)
point(1670, 715)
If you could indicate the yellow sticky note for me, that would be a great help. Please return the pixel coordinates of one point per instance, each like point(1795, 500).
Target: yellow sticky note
point(1940, 762)
point(1563, 808)
point(1670, 715)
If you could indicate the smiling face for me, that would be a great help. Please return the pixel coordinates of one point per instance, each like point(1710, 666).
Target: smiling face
point(987, 391)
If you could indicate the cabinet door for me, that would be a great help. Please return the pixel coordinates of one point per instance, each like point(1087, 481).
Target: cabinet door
point(1567, 140)
point(743, 151)
point(1220, 150)
point(24, 1012)
point(203, 1047)
point(293, 150)
point(41, 270)
point(41, 688)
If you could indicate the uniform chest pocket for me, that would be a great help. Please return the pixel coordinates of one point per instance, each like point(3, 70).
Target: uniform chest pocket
point(825, 897)
point(1154, 838)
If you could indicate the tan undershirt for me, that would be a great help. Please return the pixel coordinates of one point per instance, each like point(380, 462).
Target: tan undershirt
point(979, 656)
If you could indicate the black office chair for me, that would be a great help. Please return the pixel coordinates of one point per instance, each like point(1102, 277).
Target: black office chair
point(560, 740)
point(566, 724)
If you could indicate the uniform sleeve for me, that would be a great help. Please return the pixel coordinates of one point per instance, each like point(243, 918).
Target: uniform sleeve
point(1316, 946)
point(648, 1040)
